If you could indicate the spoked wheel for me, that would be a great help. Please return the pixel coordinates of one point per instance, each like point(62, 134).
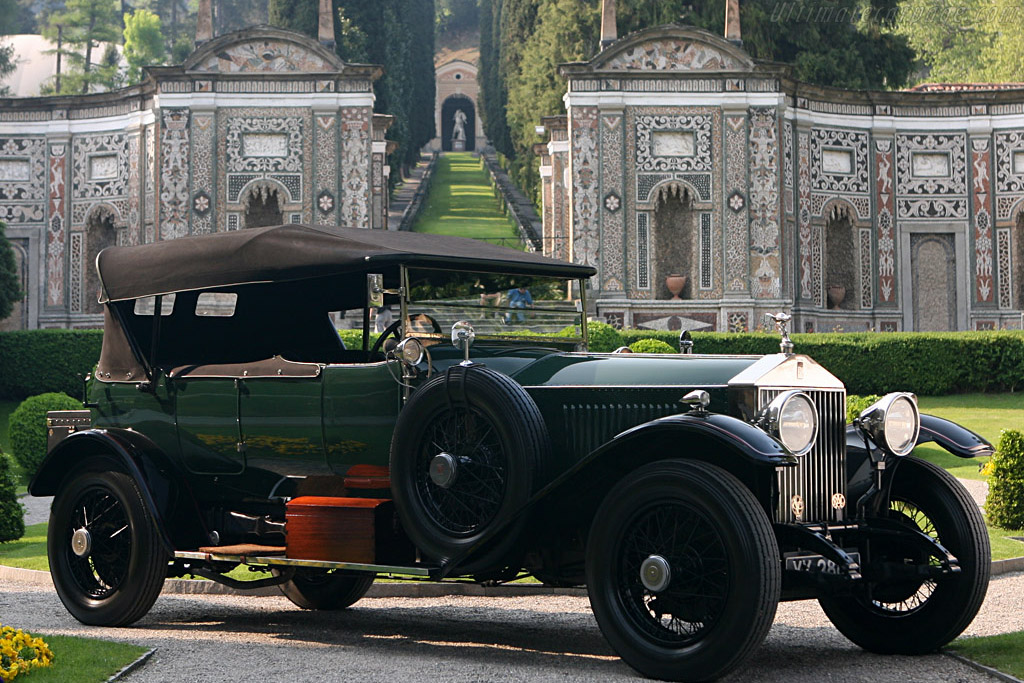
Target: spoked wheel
point(683, 571)
point(107, 564)
point(327, 590)
point(464, 458)
point(462, 472)
point(919, 615)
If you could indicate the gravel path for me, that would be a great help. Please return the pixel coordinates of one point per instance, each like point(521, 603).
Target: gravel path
point(230, 638)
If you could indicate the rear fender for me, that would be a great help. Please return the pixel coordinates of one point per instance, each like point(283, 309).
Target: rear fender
point(134, 453)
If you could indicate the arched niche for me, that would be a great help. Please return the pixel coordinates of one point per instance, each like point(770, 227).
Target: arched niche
point(101, 225)
point(264, 205)
point(449, 111)
point(840, 258)
point(674, 239)
point(18, 319)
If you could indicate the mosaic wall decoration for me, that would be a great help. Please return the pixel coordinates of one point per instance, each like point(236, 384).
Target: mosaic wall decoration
point(612, 220)
point(866, 278)
point(817, 264)
point(670, 54)
point(1009, 171)
point(980, 192)
point(276, 56)
point(22, 180)
point(134, 227)
point(839, 161)
point(673, 156)
point(77, 248)
point(107, 179)
point(643, 255)
point(355, 171)
point(264, 146)
point(804, 214)
point(931, 175)
point(787, 167)
point(764, 203)
point(149, 194)
point(736, 214)
point(55, 228)
point(1005, 276)
point(884, 222)
point(690, 320)
point(739, 322)
point(706, 262)
point(174, 164)
point(204, 148)
point(585, 229)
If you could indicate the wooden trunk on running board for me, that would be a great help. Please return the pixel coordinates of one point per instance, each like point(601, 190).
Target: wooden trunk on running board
point(361, 530)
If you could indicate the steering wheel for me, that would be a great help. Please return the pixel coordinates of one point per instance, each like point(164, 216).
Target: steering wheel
point(390, 330)
point(416, 321)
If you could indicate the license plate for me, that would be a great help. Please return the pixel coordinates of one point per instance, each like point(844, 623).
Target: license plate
point(816, 563)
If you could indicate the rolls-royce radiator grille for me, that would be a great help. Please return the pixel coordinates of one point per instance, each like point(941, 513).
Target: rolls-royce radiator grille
point(821, 473)
point(590, 425)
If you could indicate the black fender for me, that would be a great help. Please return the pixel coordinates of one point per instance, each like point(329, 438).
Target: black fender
point(955, 438)
point(140, 458)
point(738, 447)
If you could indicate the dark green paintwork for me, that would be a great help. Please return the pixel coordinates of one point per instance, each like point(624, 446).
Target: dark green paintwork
point(361, 404)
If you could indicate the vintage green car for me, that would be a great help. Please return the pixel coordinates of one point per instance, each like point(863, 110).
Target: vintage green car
point(227, 424)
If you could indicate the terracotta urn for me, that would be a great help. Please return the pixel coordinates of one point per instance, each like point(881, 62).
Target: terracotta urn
point(836, 294)
point(675, 284)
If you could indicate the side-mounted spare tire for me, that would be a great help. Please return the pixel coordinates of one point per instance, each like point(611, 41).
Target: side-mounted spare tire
point(469, 450)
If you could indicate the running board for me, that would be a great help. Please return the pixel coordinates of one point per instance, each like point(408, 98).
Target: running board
point(261, 560)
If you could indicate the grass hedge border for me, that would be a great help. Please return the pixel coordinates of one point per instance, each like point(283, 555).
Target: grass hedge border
point(927, 363)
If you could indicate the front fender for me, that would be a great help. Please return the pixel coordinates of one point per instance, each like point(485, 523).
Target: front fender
point(956, 439)
point(124, 447)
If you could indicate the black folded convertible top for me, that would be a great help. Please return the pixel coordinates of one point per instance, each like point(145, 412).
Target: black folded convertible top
point(294, 252)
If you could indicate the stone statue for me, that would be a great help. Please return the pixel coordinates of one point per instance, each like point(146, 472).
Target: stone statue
point(459, 132)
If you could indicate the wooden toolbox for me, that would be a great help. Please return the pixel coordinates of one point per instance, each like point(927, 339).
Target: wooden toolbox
point(363, 530)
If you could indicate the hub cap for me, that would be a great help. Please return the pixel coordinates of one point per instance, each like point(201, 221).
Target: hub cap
point(81, 543)
point(655, 573)
point(442, 470)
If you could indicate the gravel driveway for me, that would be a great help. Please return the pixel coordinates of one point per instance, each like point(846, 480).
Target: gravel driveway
point(232, 638)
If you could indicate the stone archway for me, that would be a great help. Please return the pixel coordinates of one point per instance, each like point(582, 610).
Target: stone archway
point(449, 110)
point(840, 260)
point(100, 233)
point(933, 277)
point(263, 206)
point(674, 236)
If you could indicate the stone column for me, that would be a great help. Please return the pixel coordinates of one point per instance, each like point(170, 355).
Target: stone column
point(204, 22)
point(609, 30)
point(326, 32)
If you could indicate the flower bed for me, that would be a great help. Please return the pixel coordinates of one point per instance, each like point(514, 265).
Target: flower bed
point(21, 652)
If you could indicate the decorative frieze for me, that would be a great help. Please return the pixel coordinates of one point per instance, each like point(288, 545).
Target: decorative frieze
point(866, 276)
point(765, 281)
point(585, 228)
point(1005, 270)
point(736, 234)
point(55, 228)
point(980, 197)
point(643, 254)
point(884, 223)
point(203, 141)
point(174, 167)
point(612, 126)
point(931, 175)
point(326, 166)
point(804, 215)
point(355, 171)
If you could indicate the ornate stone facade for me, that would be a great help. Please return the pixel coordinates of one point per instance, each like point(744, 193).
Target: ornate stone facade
point(206, 146)
point(770, 170)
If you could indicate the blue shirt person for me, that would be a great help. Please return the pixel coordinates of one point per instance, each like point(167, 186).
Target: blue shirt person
point(519, 297)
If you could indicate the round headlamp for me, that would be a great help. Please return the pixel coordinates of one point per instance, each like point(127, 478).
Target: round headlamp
point(410, 351)
point(792, 419)
point(893, 422)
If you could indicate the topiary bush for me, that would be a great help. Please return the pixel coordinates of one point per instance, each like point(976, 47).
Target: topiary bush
point(602, 337)
point(28, 428)
point(12, 516)
point(651, 346)
point(1005, 502)
point(855, 405)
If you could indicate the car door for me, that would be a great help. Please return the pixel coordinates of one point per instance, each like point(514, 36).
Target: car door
point(361, 404)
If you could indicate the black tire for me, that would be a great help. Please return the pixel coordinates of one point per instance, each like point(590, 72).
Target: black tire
point(495, 435)
point(120, 577)
point(916, 617)
point(327, 590)
point(714, 536)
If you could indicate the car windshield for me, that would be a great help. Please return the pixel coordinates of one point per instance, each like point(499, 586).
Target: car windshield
point(498, 306)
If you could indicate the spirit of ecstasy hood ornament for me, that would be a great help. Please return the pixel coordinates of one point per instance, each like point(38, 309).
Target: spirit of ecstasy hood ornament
point(781, 321)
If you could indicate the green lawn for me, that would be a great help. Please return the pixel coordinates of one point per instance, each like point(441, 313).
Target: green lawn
point(82, 660)
point(1004, 652)
point(461, 202)
point(986, 414)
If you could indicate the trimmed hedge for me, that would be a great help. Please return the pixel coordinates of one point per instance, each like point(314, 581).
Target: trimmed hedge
point(37, 361)
point(651, 346)
point(28, 428)
point(1005, 502)
point(926, 363)
point(12, 516)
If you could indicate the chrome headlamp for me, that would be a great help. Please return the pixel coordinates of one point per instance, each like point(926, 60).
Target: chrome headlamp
point(410, 351)
point(893, 422)
point(792, 419)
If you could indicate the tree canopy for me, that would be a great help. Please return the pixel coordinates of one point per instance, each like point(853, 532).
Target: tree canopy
point(143, 42)
point(79, 29)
